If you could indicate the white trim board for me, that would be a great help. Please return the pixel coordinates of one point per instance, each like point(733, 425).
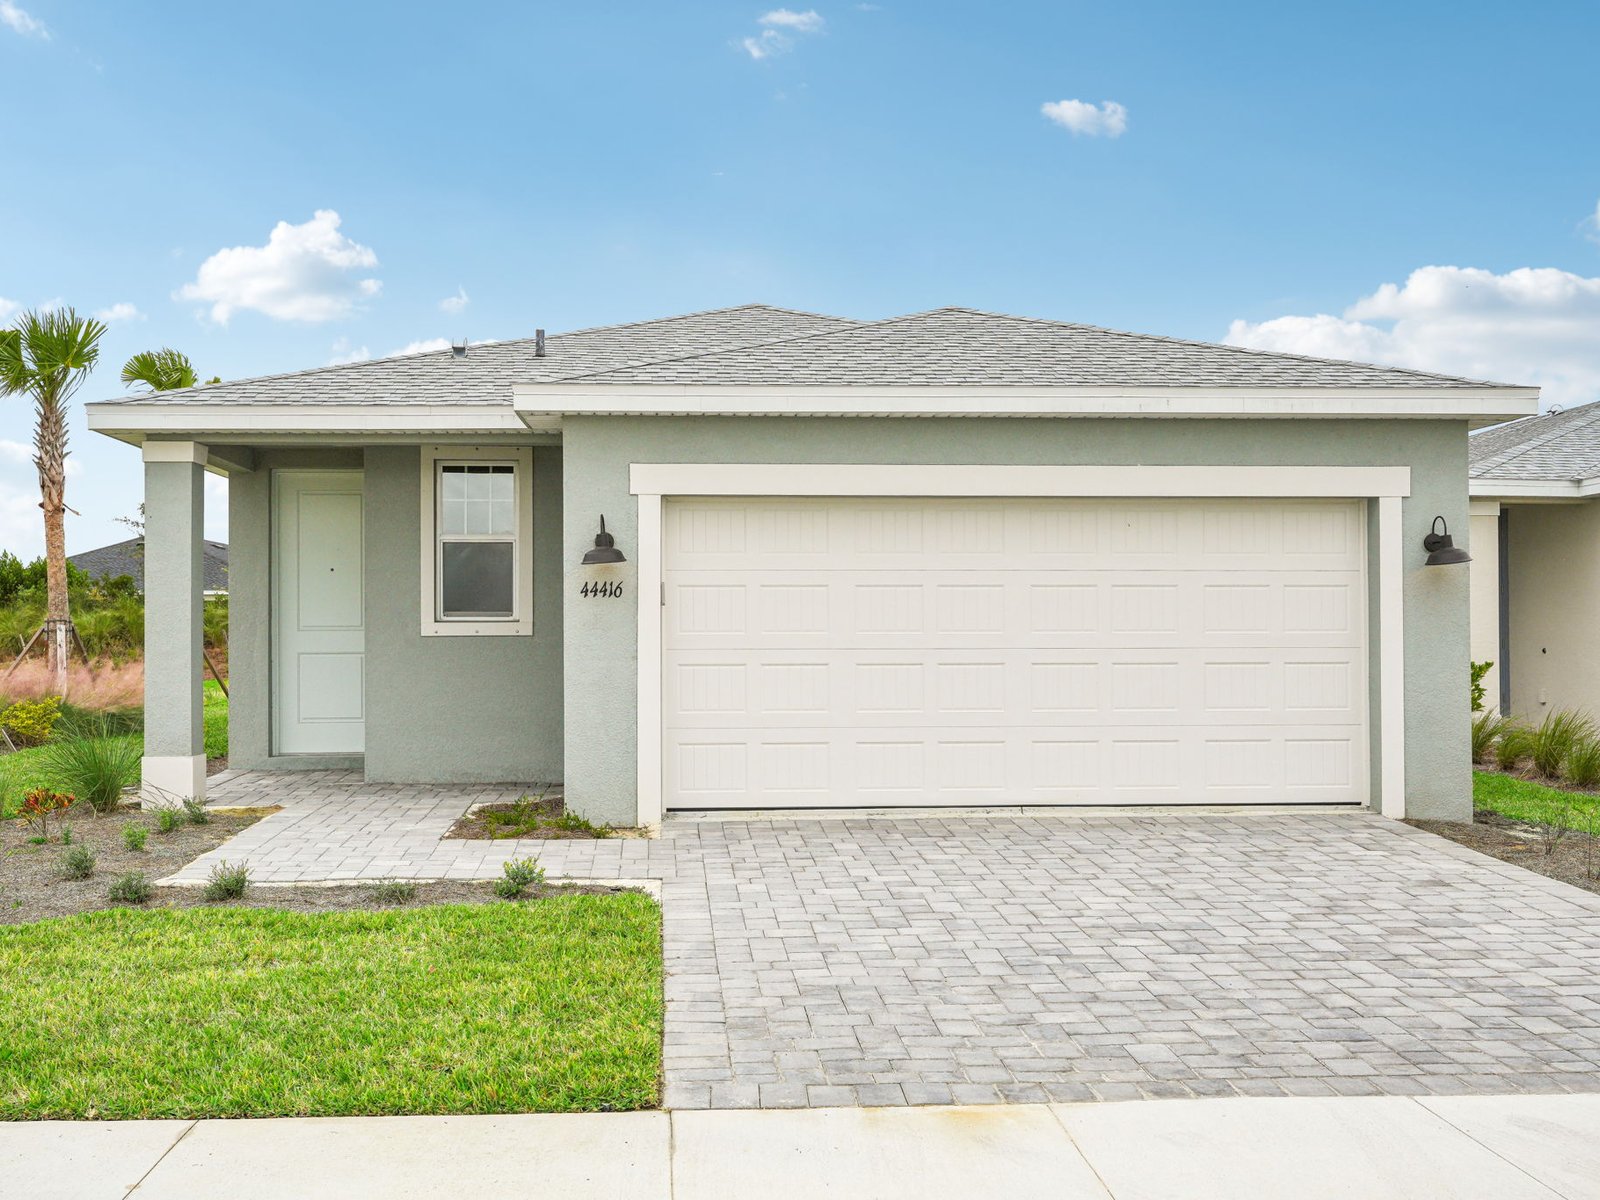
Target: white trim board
point(212, 419)
point(541, 403)
point(652, 482)
point(1534, 489)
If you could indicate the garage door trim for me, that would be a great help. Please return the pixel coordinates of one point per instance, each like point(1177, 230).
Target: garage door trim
point(652, 482)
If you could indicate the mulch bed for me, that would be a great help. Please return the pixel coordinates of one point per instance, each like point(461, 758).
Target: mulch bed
point(1518, 843)
point(32, 887)
point(534, 817)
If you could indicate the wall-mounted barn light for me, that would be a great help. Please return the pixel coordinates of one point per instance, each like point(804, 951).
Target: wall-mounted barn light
point(1441, 547)
point(605, 549)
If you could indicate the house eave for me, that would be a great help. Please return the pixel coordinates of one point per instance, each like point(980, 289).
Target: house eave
point(543, 405)
point(1534, 489)
point(251, 422)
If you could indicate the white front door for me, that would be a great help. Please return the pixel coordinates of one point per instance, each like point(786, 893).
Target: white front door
point(866, 652)
point(319, 636)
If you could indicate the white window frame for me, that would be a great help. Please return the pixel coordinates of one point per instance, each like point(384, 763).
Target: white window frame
point(520, 623)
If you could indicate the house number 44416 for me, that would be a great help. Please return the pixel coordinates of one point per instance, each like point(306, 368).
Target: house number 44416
point(610, 590)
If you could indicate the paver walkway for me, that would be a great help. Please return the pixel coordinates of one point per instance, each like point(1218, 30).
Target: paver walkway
point(1074, 956)
point(1378, 1148)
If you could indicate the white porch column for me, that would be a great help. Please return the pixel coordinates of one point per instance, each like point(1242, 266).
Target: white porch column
point(174, 766)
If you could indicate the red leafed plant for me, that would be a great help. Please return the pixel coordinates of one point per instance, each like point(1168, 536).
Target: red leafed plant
point(38, 804)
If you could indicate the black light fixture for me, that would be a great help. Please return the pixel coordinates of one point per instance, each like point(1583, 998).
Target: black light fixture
point(605, 549)
point(1441, 547)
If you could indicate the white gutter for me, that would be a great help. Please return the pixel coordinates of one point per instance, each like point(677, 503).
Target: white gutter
point(245, 420)
point(1534, 489)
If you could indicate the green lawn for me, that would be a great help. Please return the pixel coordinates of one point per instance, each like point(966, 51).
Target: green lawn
point(552, 1005)
point(26, 769)
point(1522, 800)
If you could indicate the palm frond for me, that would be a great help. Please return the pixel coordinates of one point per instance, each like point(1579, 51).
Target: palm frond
point(160, 370)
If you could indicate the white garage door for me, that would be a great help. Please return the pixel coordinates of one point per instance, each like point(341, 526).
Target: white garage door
point(866, 653)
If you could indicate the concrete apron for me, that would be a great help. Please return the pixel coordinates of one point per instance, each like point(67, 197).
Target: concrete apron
point(1478, 1146)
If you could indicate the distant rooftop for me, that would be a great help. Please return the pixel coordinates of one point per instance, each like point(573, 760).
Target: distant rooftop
point(1554, 447)
point(127, 558)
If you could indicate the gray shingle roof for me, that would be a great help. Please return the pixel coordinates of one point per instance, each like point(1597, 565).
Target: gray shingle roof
point(486, 373)
point(1553, 446)
point(127, 558)
point(964, 347)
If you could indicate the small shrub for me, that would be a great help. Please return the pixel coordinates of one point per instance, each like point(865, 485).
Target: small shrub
point(66, 834)
point(31, 722)
point(133, 836)
point(394, 891)
point(1583, 764)
point(38, 804)
point(573, 823)
point(168, 818)
point(518, 876)
point(132, 888)
point(96, 765)
point(1479, 670)
point(1553, 820)
point(77, 863)
point(227, 881)
point(1514, 747)
point(1555, 739)
point(194, 811)
point(1486, 728)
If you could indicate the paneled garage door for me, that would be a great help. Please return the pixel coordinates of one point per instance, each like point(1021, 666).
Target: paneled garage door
point(860, 652)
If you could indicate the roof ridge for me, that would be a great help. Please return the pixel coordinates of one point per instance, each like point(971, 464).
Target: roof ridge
point(1246, 350)
point(501, 343)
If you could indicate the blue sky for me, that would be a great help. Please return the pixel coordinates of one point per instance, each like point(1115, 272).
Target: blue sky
point(1276, 175)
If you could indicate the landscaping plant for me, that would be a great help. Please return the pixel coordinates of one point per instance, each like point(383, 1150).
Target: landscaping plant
point(194, 811)
point(1555, 739)
point(1479, 670)
point(95, 763)
point(168, 818)
point(31, 722)
point(1486, 728)
point(227, 881)
point(1583, 763)
point(394, 891)
point(1515, 746)
point(77, 863)
point(517, 876)
point(133, 836)
point(132, 888)
point(38, 804)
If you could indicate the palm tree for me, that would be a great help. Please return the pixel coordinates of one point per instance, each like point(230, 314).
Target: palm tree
point(48, 355)
point(160, 370)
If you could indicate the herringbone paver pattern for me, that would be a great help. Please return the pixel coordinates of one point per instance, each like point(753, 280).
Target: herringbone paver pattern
point(1004, 958)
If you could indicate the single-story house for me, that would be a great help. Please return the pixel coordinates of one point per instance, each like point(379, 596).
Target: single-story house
point(127, 558)
point(1535, 486)
point(755, 558)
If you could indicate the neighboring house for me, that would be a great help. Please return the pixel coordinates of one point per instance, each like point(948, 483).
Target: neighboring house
point(953, 558)
point(127, 558)
point(1536, 561)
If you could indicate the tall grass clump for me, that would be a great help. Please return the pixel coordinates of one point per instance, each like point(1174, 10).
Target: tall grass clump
point(1556, 738)
point(1486, 728)
point(1583, 763)
point(1514, 747)
point(95, 764)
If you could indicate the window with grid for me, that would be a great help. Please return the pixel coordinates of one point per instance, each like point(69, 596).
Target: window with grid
point(477, 554)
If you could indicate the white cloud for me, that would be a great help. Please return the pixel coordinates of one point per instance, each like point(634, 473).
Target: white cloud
point(121, 311)
point(454, 304)
point(777, 30)
point(344, 352)
point(1533, 325)
point(19, 20)
point(21, 454)
point(8, 309)
point(786, 18)
point(304, 273)
point(421, 347)
point(1108, 119)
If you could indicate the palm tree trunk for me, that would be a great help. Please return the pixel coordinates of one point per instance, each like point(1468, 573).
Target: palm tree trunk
point(50, 444)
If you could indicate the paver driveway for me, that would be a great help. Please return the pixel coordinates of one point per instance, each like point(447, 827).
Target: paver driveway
point(995, 958)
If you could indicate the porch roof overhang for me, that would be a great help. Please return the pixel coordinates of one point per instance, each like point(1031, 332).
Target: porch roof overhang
point(1535, 490)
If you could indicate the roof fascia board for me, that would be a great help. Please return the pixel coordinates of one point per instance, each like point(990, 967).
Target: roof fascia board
point(248, 419)
point(1473, 404)
point(1534, 489)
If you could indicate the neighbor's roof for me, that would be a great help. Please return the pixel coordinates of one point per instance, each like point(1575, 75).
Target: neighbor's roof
point(1555, 446)
point(127, 558)
point(965, 347)
point(757, 345)
point(485, 374)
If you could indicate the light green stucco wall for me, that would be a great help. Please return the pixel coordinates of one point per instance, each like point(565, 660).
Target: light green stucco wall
point(601, 639)
point(439, 709)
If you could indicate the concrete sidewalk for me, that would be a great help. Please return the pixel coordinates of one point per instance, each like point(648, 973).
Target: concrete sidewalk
point(1505, 1147)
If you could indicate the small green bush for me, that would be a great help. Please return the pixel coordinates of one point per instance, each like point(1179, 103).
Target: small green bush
point(77, 863)
point(227, 881)
point(168, 818)
point(95, 765)
point(518, 876)
point(1555, 739)
point(394, 891)
point(194, 811)
point(1479, 670)
point(31, 722)
point(1486, 728)
point(133, 836)
point(66, 834)
point(132, 888)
